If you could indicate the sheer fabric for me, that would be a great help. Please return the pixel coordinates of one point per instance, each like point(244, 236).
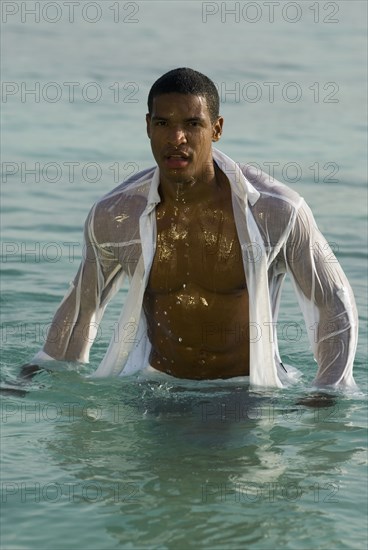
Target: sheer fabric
point(278, 236)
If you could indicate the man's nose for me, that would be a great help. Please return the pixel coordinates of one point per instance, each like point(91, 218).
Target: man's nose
point(177, 136)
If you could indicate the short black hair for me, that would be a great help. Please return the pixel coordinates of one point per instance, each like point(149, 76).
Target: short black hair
point(187, 81)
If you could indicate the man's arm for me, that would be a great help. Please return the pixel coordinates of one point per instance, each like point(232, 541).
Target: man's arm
point(326, 299)
point(74, 326)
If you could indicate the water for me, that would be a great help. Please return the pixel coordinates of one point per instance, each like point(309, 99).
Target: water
point(134, 463)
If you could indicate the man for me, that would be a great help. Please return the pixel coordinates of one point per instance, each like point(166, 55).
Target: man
point(206, 244)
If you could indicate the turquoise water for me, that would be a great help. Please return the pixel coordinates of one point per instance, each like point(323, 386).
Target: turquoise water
point(134, 463)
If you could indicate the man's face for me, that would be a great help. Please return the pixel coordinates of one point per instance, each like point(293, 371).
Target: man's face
point(181, 134)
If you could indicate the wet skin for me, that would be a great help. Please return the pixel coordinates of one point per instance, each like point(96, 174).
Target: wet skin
point(196, 301)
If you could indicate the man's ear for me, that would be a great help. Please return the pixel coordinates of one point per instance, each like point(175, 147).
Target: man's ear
point(148, 125)
point(217, 128)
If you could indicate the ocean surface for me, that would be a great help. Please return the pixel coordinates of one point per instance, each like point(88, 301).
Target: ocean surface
point(138, 463)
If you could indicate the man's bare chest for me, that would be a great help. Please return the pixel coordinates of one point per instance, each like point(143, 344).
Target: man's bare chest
point(197, 244)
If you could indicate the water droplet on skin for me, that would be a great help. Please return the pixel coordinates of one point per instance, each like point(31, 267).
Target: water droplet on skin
point(158, 324)
point(180, 339)
point(178, 302)
point(165, 312)
point(184, 285)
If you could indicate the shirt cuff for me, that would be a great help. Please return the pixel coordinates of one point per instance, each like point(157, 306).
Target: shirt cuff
point(41, 356)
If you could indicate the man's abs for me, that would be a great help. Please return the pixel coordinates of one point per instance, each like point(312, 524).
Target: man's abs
point(198, 334)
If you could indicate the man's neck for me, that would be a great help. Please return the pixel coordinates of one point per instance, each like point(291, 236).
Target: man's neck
point(193, 190)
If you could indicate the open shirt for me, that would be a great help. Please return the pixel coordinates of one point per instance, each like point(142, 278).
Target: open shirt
point(277, 235)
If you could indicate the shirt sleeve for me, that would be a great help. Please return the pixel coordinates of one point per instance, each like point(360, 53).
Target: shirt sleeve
point(75, 324)
point(326, 299)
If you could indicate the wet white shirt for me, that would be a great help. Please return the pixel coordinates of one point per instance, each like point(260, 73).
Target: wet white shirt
point(278, 236)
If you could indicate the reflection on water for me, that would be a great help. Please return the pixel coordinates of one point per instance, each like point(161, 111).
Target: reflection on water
point(150, 453)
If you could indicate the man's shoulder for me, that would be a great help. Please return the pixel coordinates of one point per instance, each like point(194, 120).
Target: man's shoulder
point(277, 206)
point(118, 211)
point(270, 189)
point(136, 184)
point(132, 193)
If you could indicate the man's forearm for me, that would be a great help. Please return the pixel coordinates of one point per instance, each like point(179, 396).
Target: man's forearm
point(335, 349)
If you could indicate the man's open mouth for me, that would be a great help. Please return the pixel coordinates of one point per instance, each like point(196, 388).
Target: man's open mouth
point(177, 159)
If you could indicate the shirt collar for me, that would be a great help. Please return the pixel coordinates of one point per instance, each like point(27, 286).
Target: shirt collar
point(238, 182)
point(153, 194)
